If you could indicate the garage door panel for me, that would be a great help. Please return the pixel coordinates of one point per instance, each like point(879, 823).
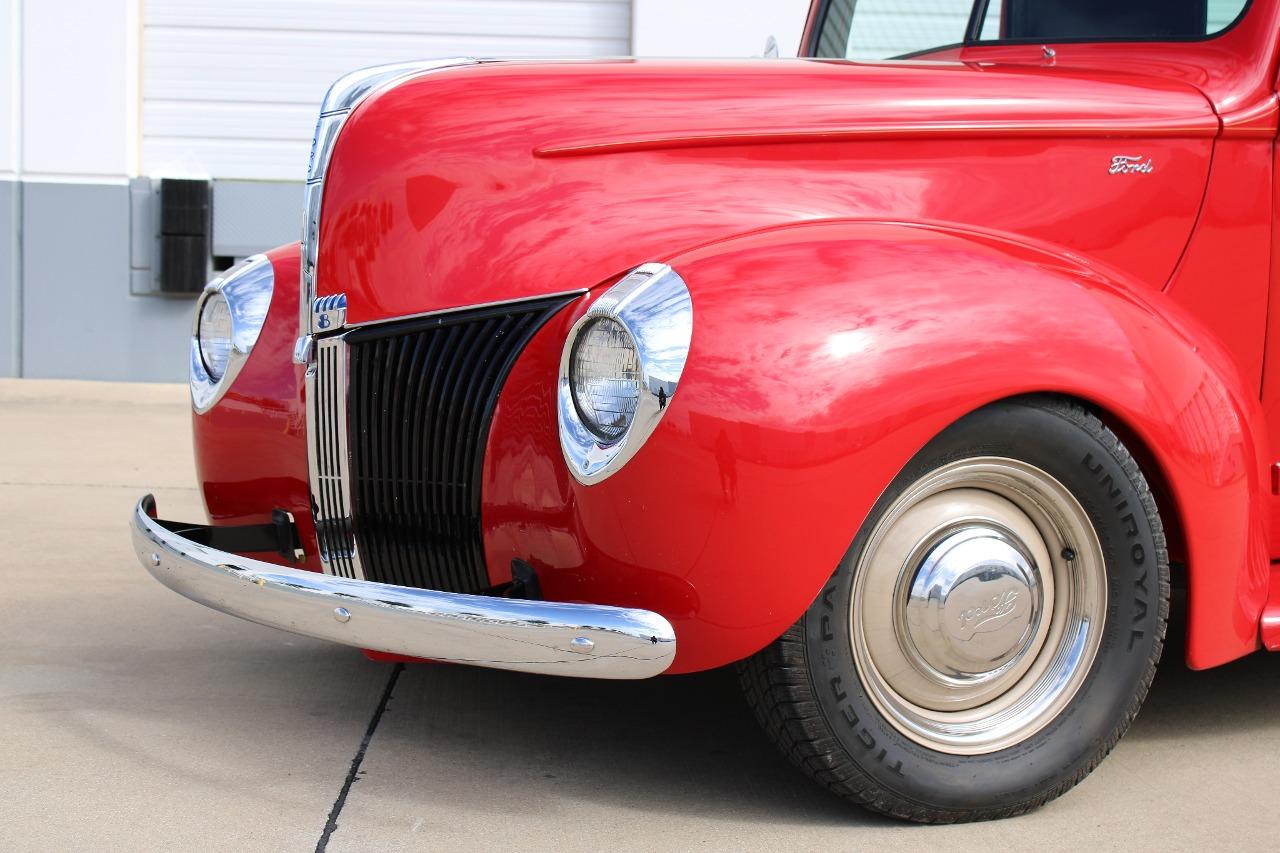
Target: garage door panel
point(230, 120)
point(517, 18)
point(226, 83)
point(288, 69)
point(266, 160)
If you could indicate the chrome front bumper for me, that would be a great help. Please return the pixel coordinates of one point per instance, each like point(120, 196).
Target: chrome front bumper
point(584, 640)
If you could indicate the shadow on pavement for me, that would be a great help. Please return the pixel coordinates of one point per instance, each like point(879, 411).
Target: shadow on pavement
point(1243, 695)
point(685, 746)
point(676, 746)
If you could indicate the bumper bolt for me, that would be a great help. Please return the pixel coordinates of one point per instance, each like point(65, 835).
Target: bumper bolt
point(342, 614)
point(155, 560)
point(581, 644)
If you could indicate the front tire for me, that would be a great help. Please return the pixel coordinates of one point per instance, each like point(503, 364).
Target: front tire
point(992, 630)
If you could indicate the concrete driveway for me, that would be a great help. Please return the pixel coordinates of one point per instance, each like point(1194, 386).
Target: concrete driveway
point(131, 719)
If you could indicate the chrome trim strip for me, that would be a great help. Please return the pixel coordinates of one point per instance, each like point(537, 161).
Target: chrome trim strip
point(339, 102)
point(582, 640)
point(304, 350)
point(247, 287)
point(653, 304)
point(326, 390)
point(476, 307)
point(329, 459)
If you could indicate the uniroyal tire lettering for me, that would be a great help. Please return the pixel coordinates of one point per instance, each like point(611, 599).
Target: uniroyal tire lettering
point(1137, 552)
point(1130, 523)
point(1139, 609)
point(1093, 469)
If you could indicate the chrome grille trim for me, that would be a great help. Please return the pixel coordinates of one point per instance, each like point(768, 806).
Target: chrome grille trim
point(420, 400)
point(443, 312)
point(339, 102)
point(352, 518)
point(329, 459)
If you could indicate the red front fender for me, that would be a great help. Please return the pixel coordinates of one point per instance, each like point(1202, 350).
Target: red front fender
point(824, 356)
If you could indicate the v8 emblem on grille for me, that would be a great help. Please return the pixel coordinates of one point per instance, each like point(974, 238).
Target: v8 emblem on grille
point(329, 312)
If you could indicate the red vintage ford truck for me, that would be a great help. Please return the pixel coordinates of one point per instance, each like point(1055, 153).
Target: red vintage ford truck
point(906, 383)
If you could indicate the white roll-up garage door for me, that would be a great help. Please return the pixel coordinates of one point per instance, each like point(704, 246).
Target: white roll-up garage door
point(231, 89)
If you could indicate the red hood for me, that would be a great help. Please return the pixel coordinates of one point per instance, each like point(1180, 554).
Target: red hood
point(502, 180)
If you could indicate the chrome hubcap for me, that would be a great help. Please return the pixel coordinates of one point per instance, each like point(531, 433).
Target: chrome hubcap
point(973, 605)
point(978, 605)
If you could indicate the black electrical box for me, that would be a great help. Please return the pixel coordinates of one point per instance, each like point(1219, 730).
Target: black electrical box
point(186, 228)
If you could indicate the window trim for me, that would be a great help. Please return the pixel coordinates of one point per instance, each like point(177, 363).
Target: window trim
point(978, 17)
point(973, 31)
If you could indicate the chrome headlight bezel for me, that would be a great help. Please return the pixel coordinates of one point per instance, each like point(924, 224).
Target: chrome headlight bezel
point(247, 289)
point(652, 304)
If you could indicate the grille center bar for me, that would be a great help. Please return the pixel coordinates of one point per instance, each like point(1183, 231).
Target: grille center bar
point(329, 459)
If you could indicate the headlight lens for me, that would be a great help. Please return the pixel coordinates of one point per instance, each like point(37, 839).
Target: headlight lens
point(605, 377)
point(214, 332)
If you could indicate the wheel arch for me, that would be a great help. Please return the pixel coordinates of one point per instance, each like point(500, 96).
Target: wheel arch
point(907, 328)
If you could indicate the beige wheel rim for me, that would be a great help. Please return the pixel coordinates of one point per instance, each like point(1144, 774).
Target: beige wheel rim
point(978, 605)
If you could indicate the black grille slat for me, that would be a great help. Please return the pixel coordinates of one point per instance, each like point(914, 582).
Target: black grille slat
point(441, 483)
point(477, 409)
point(365, 405)
point(423, 398)
point(393, 484)
point(420, 398)
point(453, 486)
point(411, 359)
point(437, 558)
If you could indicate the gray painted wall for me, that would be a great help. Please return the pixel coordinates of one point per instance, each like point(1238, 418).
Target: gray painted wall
point(251, 216)
point(79, 319)
point(9, 308)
